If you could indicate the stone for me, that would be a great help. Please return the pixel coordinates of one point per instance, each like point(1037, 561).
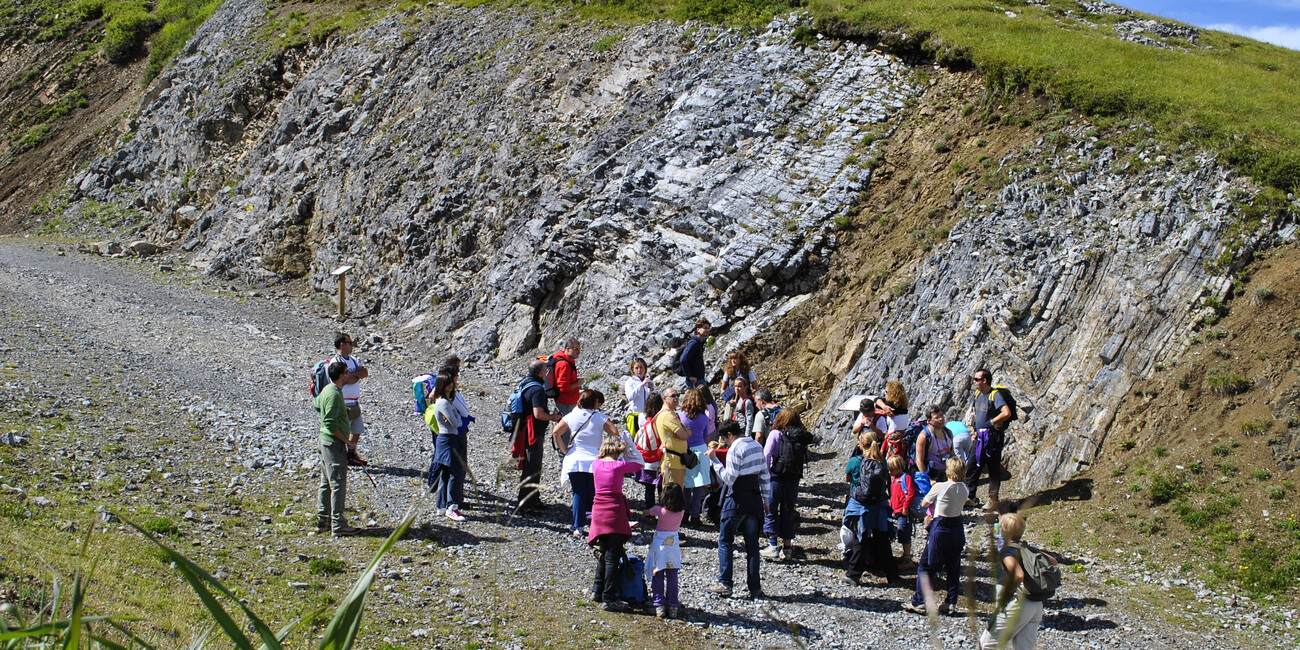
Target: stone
point(144, 248)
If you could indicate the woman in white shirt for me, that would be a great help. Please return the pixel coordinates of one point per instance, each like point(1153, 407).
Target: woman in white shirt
point(637, 388)
point(587, 428)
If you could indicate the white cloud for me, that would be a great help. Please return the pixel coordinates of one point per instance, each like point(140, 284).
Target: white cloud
point(1287, 36)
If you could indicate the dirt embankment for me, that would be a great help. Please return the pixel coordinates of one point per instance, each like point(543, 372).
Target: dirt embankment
point(59, 105)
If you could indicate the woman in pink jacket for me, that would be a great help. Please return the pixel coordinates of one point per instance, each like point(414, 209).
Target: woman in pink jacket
point(610, 529)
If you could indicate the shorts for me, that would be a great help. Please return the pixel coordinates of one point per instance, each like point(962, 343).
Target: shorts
point(902, 525)
point(355, 424)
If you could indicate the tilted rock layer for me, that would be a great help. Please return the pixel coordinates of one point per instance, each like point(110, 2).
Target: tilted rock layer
point(500, 180)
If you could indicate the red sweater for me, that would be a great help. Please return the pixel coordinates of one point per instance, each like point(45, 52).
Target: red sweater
point(901, 492)
point(566, 379)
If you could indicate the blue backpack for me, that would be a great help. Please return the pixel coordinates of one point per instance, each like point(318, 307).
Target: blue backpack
point(512, 416)
point(631, 580)
point(422, 387)
point(922, 481)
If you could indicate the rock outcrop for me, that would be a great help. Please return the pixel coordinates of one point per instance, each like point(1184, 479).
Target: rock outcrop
point(500, 181)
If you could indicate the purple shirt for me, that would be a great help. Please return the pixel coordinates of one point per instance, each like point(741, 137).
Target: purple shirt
point(700, 427)
point(772, 446)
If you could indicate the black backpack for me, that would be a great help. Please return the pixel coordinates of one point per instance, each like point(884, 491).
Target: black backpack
point(678, 367)
point(792, 453)
point(873, 483)
point(548, 381)
point(1008, 398)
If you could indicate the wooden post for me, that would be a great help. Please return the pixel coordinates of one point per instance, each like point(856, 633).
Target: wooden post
point(342, 274)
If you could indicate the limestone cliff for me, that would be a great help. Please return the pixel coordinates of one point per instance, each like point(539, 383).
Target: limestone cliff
point(501, 180)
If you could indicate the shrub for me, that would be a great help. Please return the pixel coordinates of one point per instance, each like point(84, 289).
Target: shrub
point(1256, 427)
point(1262, 295)
point(1219, 450)
point(1165, 488)
point(1261, 475)
point(1275, 492)
point(1228, 469)
point(128, 25)
point(1227, 382)
point(163, 526)
point(1215, 334)
point(326, 566)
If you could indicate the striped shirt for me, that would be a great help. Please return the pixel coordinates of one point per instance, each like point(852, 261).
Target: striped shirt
point(744, 458)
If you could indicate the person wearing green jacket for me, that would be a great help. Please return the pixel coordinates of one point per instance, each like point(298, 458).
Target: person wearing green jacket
point(334, 447)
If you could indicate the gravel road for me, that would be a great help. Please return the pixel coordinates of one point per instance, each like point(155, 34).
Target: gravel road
point(237, 361)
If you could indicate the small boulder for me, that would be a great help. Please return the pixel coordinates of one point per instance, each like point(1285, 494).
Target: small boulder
point(144, 248)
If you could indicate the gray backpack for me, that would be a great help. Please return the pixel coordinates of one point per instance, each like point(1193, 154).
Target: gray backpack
point(1042, 578)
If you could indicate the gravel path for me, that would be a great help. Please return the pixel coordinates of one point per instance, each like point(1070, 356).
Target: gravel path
point(238, 361)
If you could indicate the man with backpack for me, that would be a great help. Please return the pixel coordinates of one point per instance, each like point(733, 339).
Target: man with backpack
point(690, 362)
point(343, 346)
point(993, 411)
point(334, 449)
point(768, 409)
point(564, 383)
point(528, 432)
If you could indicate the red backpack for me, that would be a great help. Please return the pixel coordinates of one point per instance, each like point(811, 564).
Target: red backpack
point(647, 442)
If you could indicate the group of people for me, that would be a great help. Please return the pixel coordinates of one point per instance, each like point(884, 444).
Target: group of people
point(735, 461)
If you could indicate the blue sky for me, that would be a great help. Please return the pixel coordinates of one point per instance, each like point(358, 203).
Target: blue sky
point(1274, 21)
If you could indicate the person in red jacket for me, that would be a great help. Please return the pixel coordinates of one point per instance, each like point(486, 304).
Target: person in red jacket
point(568, 385)
point(902, 490)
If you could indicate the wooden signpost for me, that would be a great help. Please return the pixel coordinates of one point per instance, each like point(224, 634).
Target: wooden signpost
point(342, 274)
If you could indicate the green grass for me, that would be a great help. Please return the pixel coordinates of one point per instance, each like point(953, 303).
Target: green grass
point(1226, 381)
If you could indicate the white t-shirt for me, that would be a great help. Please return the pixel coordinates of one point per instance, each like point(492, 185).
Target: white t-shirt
point(351, 392)
point(947, 497)
point(896, 423)
point(587, 430)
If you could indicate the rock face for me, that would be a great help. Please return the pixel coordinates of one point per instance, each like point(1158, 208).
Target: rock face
point(500, 182)
point(513, 195)
point(1082, 275)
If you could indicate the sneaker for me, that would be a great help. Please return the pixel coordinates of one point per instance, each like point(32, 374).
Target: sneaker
point(661, 612)
point(454, 514)
point(756, 595)
point(771, 553)
point(721, 590)
point(852, 579)
point(945, 609)
point(787, 554)
point(915, 609)
point(614, 606)
point(346, 531)
point(991, 506)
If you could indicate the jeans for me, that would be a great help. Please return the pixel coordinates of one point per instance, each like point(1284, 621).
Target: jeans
point(531, 473)
point(903, 528)
point(990, 460)
point(780, 518)
point(748, 526)
point(664, 587)
point(609, 557)
point(942, 551)
point(333, 484)
point(449, 480)
point(694, 499)
point(584, 492)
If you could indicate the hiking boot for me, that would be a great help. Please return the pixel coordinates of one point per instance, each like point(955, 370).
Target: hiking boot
point(721, 590)
point(322, 525)
point(771, 553)
point(852, 579)
point(661, 612)
point(972, 503)
point(915, 609)
point(674, 612)
point(454, 514)
point(947, 610)
point(346, 531)
point(756, 594)
point(614, 606)
point(787, 554)
point(906, 564)
point(991, 506)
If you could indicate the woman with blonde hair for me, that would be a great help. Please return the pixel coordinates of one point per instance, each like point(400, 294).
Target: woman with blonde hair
point(872, 493)
point(945, 541)
point(610, 530)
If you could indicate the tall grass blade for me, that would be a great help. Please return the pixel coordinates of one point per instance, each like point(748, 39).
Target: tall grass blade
point(342, 630)
point(197, 578)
